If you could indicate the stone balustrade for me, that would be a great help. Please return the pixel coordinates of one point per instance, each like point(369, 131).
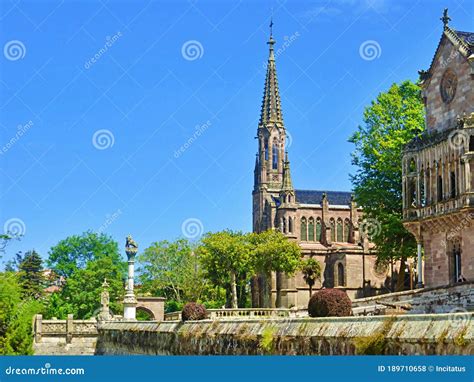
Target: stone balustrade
point(243, 313)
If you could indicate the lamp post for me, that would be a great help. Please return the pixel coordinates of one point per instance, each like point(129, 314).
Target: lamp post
point(129, 300)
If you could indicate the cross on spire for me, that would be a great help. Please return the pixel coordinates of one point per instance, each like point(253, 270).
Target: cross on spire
point(445, 19)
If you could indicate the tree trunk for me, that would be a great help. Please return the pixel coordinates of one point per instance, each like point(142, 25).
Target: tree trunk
point(401, 276)
point(310, 290)
point(233, 286)
point(267, 291)
point(255, 290)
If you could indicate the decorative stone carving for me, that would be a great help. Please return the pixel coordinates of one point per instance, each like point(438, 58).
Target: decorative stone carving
point(448, 86)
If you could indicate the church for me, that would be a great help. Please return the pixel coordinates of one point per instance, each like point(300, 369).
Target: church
point(438, 179)
point(328, 225)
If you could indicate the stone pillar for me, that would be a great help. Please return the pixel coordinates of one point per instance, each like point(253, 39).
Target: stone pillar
point(130, 301)
point(420, 266)
point(38, 327)
point(69, 328)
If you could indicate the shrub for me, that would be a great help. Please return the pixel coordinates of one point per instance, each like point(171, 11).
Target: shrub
point(193, 311)
point(329, 303)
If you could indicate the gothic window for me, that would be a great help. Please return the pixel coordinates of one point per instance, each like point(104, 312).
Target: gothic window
point(318, 230)
point(332, 226)
point(284, 225)
point(471, 143)
point(452, 179)
point(266, 149)
point(340, 275)
point(311, 229)
point(422, 189)
point(304, 231)
point(347, 231)
point(339, 231)
point(412, 166)
point(440, 188)
point(275, 156)
point(289, 198)
point(456, 262)
point(290, 225)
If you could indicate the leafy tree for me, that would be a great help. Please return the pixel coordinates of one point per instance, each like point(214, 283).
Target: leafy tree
point(171, 269)
point(226, 258)
point(311, 270)
point(74, 252)
point(16, 313)
point(81, 293)
point(31, 274)
point(273, 252)
point(390, 122)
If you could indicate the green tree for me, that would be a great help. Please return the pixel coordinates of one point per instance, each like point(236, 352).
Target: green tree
point(74, 252)
point(16, 313)
point(225, 257)
point(390, 122)
point(31, 274)
point(171, 269)
point(81, 293)
point(273, 252)
point(311, 270)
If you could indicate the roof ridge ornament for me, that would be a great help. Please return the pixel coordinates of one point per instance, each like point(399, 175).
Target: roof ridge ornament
point(445, 19)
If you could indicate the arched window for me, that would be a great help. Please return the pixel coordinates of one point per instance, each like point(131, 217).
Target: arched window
point(452, 179)
point(440, 188)
point(471, 143)
point(332, 225)
point(347, 231)
point(311, 229)
point(266, 149)
point(318, 229)
point(412, 166)
point(290, 225)
point(339, 231)
point(275, 156)
point(340, 275)
point(304, 232)
point(284, 225)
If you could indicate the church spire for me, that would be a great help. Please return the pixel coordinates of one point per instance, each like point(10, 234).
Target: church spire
point(271, 104)
point(287, 184)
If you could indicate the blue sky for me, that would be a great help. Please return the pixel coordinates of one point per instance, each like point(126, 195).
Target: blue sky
point(98, 97)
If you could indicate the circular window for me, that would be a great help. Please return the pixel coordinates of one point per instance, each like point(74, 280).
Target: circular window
point(448, 86)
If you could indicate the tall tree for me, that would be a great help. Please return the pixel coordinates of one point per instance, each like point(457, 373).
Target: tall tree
point(392, 120)
point(75, 251)
point(311, 270)
point(225, 257)
point(171, 269)
point(31, 274)
point(273, 252)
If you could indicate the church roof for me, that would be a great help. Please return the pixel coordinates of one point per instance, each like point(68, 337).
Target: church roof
point(315, 197)
point(271, 103)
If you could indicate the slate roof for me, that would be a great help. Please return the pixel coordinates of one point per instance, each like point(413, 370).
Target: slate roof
point(315, 197)
point(467, 37)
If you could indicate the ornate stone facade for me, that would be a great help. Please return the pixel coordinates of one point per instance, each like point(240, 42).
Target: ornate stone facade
point(438, 181)
point(325, 224)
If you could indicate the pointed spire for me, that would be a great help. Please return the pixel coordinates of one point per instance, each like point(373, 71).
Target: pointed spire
point(271, 104)
point(445, 19)
point(287, 184)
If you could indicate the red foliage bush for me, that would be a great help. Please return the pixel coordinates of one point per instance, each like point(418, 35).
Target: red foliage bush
point(330, 303)
point(193, 311)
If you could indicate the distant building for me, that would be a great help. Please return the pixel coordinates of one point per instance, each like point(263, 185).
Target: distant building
point(438, 181)
point(324, 223)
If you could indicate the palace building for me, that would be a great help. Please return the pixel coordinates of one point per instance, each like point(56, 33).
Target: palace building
point(324, 223)
point(438, 181)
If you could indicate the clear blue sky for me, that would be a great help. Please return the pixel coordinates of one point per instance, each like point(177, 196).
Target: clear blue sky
point(150, 94)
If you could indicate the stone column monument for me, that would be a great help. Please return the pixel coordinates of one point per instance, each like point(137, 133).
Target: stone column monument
point(130, 301)
point(104, 314)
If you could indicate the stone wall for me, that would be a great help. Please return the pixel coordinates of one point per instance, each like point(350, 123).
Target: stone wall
point(426, 300)
point(64, 337)
point(396, 335)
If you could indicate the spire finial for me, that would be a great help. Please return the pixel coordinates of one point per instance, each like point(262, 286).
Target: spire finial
point(271, 41)
point(445, 19)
